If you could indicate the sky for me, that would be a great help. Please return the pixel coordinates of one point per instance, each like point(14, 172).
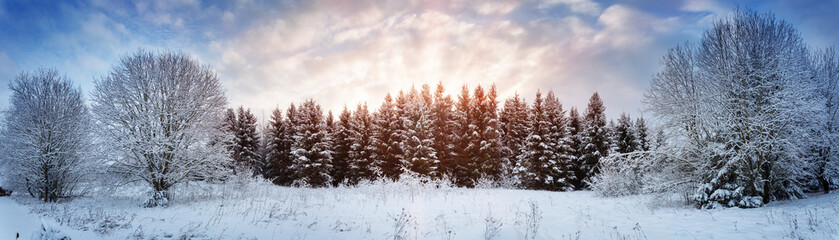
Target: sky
point(269, 54)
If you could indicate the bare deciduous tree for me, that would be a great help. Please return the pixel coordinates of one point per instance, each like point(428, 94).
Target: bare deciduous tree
point(46, 135)
point(160, 112)
point(741, 103)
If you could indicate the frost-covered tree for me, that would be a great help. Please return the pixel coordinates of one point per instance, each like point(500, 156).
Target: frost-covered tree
point(642, 135)
point(742, 104)
point(245, 144)
point(417, 141)
point(612, 133)
point(387, 140)
point(46, 137)
point(575, 145)
point(279, 136)
point(537, 160)
point(514, 131)
point(594, 138)
point(230, 126)
point(485, 147)
point(825, 154)
point(625, 136)
point(159, 112)
point(311, 152)
point(561, 163)
point(442, 117)
point(341, 144)
point(362, 146)
point(461, 138)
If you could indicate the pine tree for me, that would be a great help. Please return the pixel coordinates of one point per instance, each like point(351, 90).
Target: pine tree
point(642, 137)
point(473, 137)
point(560, 165)
point(417, 144)
point(487, 155)
point(514, 131)
point(230, 128)
point(442, 117)
point(388, 152)
point(341, 144)
point(625, 136)
point(329, 121)
point(595, 137)
point(246, 150)
point(311, 153)
point(461, 139)
point(612, 137)
point(538, 148)
point(279, 136)
point(362, 148)
point(575, 145)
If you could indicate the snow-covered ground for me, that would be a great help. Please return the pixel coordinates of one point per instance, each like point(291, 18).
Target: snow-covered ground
point(408, 211)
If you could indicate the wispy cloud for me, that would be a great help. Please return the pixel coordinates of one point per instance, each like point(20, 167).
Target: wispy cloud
point(346, 57)
point(270, 53)
point(580, 6)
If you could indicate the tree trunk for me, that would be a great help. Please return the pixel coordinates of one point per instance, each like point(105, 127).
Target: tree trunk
point(767, 184)
point(824, 184)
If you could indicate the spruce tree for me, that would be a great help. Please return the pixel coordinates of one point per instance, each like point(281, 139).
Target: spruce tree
point(487, 155)
point(473, 137)
point(417, 144)
point(642, 137)
point(442, 117)
point(278, 156)
point(575, 145)
point(595, 138)
point(230, 127)
point(311, 153)
point(625, 141)
point(243, 143)
point(341, 143)
point(362, 148)
point(612, 137)
point(416, 140)
point(461, 138)
point(246, 153)
point(538, 148)
point(560, 165)
point(514, 131)
point(388, 152)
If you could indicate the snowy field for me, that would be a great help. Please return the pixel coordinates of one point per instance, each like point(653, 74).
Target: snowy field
point(408, 211)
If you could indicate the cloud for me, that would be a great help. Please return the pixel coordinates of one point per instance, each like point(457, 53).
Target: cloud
point(342, 57)
point(271, 53)
point(579, 6)
point(703, 6)
point(486, 7)
point(626, 27)
point(167, 12)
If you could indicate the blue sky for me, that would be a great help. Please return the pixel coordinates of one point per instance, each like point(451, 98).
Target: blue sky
point(338, 52)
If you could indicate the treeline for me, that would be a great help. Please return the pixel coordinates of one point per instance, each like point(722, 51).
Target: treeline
point(427, 133)
point(162, 118)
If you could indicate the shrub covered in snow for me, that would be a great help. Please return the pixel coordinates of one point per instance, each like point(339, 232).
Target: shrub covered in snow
point(620, 175)
point(48, 232)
